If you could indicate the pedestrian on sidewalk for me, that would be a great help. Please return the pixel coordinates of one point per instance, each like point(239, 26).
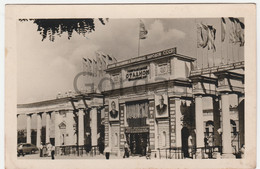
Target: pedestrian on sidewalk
point(107, 151)
point(52, 152)
point(49, 149)
point(41, 147)
point(148, 152)
point(126, 147)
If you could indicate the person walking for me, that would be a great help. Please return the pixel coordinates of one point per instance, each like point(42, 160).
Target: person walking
point(49, 149)
point(126, 147)
point(148, 152)
point(107, 152)
point(41, 148)
point(52, 152)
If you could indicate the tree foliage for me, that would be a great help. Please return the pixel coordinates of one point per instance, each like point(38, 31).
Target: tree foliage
point(49, 28)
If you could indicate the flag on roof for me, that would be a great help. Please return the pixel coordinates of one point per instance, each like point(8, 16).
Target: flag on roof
point(236, 34)
point(202, 37)
point(109, 58)
point(143, 32)
point(84, 59)
point(104, 56)
point(114, 59)
point(206, 36)
point(211, 37)
point(223, 29)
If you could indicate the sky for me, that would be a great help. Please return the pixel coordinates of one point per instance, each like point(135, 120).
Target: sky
point(47, 68)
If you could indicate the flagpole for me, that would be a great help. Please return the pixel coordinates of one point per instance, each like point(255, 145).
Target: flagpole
point(208, 49)
point(221, 42)
point(139, 38)
point(196, 65)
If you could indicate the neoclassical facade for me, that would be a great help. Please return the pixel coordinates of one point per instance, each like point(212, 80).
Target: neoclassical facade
point(155, 101)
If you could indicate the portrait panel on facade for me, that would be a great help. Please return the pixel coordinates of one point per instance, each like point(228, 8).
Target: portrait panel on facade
point(113, 110)
point(161, 106)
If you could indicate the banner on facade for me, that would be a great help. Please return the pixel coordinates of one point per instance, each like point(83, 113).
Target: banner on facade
point(144, 129)
point(113, 110)
point(161, 106)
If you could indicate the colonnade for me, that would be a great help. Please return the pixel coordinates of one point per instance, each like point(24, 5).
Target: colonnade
point(69, 127)
point(225, 127)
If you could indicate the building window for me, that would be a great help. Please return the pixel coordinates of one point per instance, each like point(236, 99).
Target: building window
point(209, 132)
point(164, 139)
point(116, 139)
point(137, 113)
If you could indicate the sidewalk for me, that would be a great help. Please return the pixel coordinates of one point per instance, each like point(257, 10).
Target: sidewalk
point(101, 156)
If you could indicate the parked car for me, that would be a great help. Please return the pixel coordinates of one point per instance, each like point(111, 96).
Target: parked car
point(27, 148)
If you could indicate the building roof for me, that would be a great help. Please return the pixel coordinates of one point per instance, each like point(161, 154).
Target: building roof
point(172, 52)
point(61, 100)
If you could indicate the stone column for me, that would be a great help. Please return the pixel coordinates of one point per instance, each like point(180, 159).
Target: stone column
point(152, 71)
point(216, 119)
point(172, 122)
point(28, 128)
point(106, 127)
point(57, 129)
point(94, 126)
point(152, 122)
point(199, 121)
point(122, 135)
point(178, 122)
point(69, 128)
point(48, 118)
point(39, 127)
point(226, 129)
point(156, 135)
point(81, 127)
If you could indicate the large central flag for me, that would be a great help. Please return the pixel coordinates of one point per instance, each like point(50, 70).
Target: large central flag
point(202, 39)
point(223, 29)
point(236, 34)
point(143, 32)
point(206, 36)
point(211, 37)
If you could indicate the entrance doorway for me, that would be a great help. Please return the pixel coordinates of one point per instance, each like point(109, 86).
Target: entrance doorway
point(184, 140)
point(138, 143)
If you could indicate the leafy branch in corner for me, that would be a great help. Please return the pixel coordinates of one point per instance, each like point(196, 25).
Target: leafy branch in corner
point(49, 28)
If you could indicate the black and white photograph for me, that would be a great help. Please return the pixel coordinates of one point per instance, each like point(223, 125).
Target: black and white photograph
point(160, 106)
point(113, 111)
point(130, 88)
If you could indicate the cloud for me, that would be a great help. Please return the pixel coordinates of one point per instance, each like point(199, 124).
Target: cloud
point(46, 68)
point(159, 38)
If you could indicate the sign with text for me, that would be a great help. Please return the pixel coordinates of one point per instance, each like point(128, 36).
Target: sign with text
point(161, 53)
point(137, 73)
point(144, 129)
